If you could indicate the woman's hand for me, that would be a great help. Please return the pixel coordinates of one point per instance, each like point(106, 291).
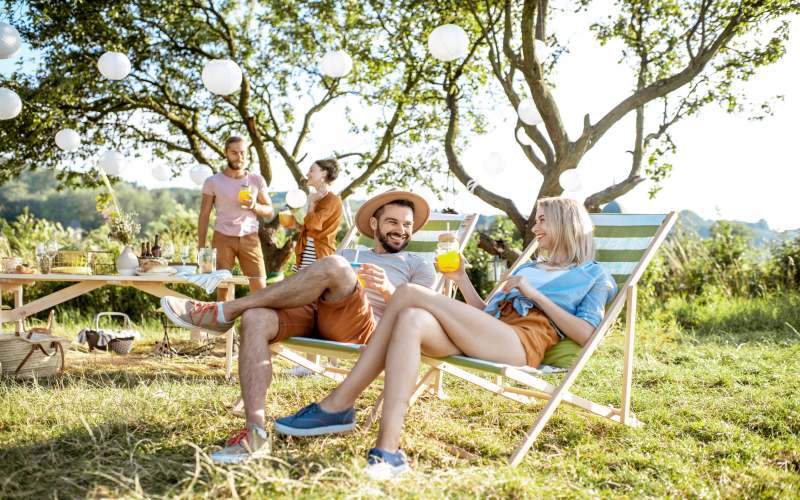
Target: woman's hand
point(313, 198)
point(457, 275)
point(521, 284)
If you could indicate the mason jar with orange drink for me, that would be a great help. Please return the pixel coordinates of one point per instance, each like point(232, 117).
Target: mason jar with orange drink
point(245, 196)
point(448, 258)
point(286, 218)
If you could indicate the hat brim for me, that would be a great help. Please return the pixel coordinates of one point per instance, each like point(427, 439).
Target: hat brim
point(421, 210)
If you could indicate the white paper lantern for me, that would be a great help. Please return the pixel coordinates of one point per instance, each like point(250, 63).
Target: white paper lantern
point(160, 173)
point(10, 104)
point(10, 41)
point(570, 180)
point(199, 174)
point(296, 198)
point(112, 162)
point(494, 163)
point(222, 76)
point(114, 65)
point(528, 113)
point(336, 64)
point(542, 50)
point(68, 140)
point(523, 138)
point(448, 42)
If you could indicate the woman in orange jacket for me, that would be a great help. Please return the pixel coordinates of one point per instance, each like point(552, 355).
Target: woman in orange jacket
point(318, 232)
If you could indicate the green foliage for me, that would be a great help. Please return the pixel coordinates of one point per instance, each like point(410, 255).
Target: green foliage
point(688, 266)
point(162, 110)
point(784, 265)
point(482, 265)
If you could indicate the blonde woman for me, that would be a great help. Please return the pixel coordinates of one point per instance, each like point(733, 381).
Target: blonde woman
point(562, 293)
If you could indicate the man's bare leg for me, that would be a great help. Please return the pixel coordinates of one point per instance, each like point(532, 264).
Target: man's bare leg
point(330, 278)
point(259, 327)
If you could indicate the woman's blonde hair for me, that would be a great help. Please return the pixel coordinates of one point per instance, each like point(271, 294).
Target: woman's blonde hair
point(570, 229)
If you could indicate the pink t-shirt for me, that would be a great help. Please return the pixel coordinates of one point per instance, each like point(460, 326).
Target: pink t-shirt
point(232, 219)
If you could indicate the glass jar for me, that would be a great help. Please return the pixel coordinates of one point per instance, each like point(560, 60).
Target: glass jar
point(448, 258)
point(207, 260)
point(245, 195)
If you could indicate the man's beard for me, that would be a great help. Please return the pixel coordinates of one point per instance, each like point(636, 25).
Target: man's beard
point(235, 166)
point(390, 247)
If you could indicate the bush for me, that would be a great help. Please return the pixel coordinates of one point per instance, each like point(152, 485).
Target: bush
point(784, 265)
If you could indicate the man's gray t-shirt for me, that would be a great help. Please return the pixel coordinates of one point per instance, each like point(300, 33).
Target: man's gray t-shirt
point(401, 267)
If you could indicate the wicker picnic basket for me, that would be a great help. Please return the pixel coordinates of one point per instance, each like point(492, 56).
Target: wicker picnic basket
point(39, 355)
point(121, 345)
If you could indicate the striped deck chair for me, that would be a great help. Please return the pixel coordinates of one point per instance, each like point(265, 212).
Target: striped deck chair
point(424, 243)
point(626, 243)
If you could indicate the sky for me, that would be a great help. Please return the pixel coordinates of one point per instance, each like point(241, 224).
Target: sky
point(726, 166)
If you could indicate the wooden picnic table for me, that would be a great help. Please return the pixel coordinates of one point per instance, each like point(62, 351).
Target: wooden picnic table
point(154, 285)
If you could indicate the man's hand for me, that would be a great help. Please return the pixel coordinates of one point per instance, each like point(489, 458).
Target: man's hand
point(375, 278)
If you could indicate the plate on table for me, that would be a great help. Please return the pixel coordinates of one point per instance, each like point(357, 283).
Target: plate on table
point(185, 269)
point(157, 273)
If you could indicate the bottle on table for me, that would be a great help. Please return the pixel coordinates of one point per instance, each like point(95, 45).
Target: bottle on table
point(156, 250)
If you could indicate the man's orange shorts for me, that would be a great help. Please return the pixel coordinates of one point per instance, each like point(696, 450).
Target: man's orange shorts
point(345, 320)
point(246, 248)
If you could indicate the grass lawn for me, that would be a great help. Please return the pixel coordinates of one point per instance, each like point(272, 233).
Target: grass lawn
point(720, 407)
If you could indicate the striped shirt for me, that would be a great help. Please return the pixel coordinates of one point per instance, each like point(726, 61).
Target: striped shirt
point(308, 257)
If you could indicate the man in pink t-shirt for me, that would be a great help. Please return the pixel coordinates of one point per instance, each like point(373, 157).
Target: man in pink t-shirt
point(236, 227)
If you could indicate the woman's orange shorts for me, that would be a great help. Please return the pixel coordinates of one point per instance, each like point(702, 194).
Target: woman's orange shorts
point(535, 332)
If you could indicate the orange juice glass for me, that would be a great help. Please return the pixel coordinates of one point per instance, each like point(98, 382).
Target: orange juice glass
point(245, 196)
point(448, 261)
point(286, 218)
point(356, 266)
point(448, 258)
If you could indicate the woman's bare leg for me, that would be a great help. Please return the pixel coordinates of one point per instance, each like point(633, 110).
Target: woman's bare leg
point(466, 322)
point(437, 326)
point(369, 365)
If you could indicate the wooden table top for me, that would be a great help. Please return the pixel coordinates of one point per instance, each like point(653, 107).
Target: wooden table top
point(110, 278)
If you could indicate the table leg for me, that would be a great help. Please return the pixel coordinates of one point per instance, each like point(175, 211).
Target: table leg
point(20, 329)
point(230, 294)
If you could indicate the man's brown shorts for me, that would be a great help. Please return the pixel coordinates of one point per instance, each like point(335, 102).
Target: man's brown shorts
point(345, 320)
point(247, 248)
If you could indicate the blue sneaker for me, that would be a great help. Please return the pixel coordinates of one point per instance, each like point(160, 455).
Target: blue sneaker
point(314, 421)
point(383, 465)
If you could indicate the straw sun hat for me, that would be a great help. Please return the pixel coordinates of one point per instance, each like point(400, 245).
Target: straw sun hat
point(421, 209)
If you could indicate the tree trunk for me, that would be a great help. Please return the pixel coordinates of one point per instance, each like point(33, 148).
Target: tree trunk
point(275, 257)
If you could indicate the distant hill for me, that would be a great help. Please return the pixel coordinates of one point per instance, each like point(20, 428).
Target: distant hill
point(37, 192)
point(761, 233)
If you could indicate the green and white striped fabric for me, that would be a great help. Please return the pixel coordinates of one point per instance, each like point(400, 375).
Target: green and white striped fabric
point(424, 241)
point(621, 240)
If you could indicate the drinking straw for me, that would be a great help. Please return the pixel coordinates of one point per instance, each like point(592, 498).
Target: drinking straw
point(355, 261)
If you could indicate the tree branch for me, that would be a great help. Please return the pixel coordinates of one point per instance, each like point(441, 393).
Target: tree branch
point(455, 165)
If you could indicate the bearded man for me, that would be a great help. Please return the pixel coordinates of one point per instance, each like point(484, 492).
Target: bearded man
point(240, 198)
point(335, 299)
